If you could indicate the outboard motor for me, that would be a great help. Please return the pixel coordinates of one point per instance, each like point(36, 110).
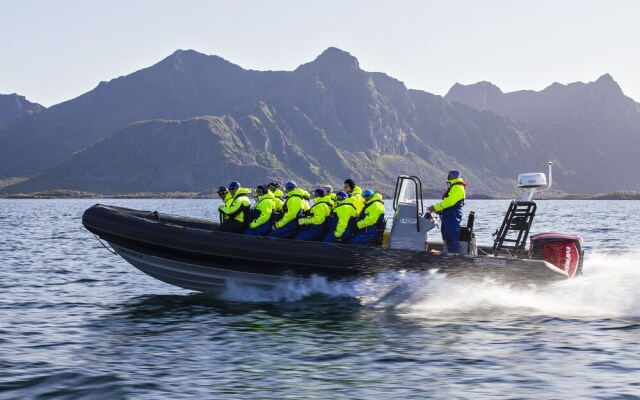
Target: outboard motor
point(560, 249)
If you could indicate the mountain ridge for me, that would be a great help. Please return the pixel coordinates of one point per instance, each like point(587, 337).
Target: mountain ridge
point(587, 126)
point(322, 122)
point(14, 106)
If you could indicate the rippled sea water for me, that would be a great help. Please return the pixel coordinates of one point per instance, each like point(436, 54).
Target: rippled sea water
point(79, 323)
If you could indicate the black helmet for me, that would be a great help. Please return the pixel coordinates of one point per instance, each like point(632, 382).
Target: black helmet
point(222, 189)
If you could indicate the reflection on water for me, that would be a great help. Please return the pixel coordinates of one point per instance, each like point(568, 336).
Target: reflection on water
point(195, 305)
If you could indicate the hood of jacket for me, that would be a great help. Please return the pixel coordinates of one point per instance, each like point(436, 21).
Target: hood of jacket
point(376, 196)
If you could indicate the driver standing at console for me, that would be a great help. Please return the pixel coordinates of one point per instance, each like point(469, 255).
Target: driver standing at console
point(450, 210)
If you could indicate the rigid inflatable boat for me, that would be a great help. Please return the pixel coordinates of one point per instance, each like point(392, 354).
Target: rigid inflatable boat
point(189, 253)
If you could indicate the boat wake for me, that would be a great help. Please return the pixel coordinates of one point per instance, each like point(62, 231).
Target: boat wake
point(608, 289)
point(291, 289)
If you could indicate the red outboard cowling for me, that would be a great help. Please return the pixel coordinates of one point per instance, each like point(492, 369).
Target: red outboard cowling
point(562, 250)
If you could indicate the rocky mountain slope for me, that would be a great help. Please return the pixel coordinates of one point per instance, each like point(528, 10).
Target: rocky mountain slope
point(592, 130)
point(193, 122)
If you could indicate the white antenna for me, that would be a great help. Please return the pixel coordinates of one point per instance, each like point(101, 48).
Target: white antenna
point(549, 185)
point(533, 181)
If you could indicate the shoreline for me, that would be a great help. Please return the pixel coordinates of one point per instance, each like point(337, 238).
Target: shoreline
point(210, 194)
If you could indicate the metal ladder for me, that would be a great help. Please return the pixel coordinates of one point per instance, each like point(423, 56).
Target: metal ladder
point(512, 235)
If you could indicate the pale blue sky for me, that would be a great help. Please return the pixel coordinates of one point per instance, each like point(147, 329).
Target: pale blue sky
point(55, 50)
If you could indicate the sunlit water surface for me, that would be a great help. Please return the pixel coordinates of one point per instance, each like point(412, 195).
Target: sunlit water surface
point(78, 322)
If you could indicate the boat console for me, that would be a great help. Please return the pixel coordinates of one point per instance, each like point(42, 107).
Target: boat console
point(411, 225)
point(408, 220)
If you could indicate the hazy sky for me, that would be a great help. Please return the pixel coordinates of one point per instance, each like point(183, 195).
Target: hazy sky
point(55, 50)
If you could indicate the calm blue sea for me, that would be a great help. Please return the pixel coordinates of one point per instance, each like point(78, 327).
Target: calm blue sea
point(77, 322)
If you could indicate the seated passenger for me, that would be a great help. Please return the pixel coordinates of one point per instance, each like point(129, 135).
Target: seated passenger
point(287, 226)
point(312, 227)
point(328, 191)
point(262, 214)
point(237, 213)
point(355, 192)
point(340, 224)
point(305, 200)
point(274, 187)
point(224, 195)
point(369, 219)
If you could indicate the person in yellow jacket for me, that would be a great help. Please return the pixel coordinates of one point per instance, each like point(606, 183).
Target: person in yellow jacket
point(226, 197)
point(328, 191)
point(262, 214)
point(305, 200)
point(278, 203)
point(237, 214)
point(355, 192)
point(287, 226)
point(313, 226)
point(368, 220)
point(344, 212)
point(450, 210)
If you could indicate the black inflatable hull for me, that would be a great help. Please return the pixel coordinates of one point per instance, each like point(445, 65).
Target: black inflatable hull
point(188, 253)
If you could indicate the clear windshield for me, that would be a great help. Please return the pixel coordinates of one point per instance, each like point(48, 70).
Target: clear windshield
point(407, 191)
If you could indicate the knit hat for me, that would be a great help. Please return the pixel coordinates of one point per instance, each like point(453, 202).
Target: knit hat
point(342, 194)
point(262, 188)
point(319, 192)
